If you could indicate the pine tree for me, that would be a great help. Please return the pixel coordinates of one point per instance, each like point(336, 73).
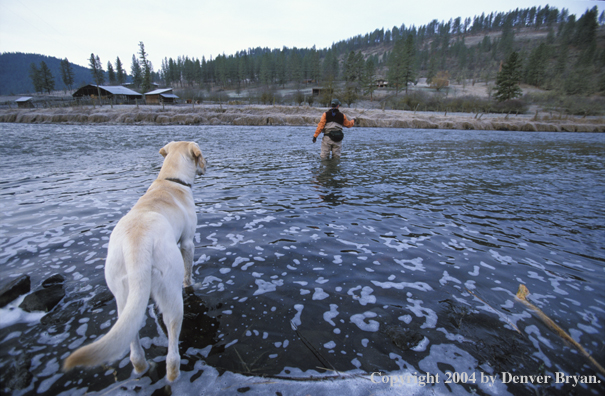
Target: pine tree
point(34, 74)
point(295, 70)
point(535, 73)
point(96, 69)
point(135, 71)
point(330, 66)
point(111, 74)
point(145, 68)
point(402, 67)
point(586, 29)
point(47, 79)
point(507, 80)
point(120, 72)
point(368, 80)
point(67, 74)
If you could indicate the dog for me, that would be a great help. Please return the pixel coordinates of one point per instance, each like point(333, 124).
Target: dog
point(150, 253)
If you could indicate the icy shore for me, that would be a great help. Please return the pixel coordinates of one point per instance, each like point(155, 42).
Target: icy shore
point(256, 115)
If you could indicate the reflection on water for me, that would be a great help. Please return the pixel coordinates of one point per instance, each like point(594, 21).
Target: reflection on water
point(403, 256)
point(331, 180)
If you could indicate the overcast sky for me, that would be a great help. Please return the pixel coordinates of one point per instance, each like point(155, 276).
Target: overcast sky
point(75, 29)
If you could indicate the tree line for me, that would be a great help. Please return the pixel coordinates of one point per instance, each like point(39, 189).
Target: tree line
point(569, 58)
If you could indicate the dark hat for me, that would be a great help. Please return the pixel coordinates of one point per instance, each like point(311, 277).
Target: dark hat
point(335, 103)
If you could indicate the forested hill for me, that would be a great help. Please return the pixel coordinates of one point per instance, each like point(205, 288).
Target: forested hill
point(557, 51)
point(15, 67)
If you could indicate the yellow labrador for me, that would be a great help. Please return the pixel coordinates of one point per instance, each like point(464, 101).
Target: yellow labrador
point(144, 260)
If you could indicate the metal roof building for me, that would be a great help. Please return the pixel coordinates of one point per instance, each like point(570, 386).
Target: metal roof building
point(108, 91)
point(24, 102)
point(163, 95)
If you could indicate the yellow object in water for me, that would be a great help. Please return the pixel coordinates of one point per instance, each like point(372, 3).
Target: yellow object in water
point(522, 294)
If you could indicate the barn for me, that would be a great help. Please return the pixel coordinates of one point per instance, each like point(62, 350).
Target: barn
point(25, 102)
point(117, 93)
point(158, 96)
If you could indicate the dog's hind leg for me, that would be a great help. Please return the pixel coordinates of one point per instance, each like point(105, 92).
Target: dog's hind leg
point(173, 359)
point(172, 312)
point(168, 294)
point(137, 356)
point(187, 249)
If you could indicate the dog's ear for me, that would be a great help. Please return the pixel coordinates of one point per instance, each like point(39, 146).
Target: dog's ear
point(195, 150)
point(164, 150)
point(196, 153)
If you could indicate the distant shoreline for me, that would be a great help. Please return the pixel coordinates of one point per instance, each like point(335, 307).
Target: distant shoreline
point(263, 115)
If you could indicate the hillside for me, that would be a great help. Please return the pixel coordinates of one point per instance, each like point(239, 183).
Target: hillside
point(14, 72)
point(562, 56)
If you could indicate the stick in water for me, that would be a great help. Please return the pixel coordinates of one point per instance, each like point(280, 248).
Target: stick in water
point(522, 296)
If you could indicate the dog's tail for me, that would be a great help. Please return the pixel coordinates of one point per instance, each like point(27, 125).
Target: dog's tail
point(113, 345)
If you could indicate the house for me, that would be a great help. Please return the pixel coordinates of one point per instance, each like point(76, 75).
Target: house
point(317, 91)
point(381, 83)
point(158, 96)
point(118, 93)
point(25, 102)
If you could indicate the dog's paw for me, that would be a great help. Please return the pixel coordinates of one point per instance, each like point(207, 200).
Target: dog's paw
point(140, 367)
point(188, 281)
point(172, 374)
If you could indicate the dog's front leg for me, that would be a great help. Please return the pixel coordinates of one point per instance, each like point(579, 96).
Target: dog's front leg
point(187, 248)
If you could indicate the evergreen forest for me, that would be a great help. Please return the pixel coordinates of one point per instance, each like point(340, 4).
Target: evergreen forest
point(560, 54)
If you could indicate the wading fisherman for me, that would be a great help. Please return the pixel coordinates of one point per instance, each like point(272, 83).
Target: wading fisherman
point(331, 123)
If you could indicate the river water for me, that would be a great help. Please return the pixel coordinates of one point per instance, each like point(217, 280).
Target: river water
point(403, 258)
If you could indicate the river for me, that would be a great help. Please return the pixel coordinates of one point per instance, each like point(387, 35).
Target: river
point(402, 258)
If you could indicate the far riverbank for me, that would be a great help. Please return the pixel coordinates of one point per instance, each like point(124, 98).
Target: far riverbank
point(259, 115)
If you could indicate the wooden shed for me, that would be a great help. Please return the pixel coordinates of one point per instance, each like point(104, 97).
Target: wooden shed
point(115, 92)
point(159, 96)
point(25, 102)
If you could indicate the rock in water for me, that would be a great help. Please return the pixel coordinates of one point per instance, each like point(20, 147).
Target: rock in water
point(403, 338)
point(44, 299)
point(14, 289)
point(56, 279)
point(16, 374)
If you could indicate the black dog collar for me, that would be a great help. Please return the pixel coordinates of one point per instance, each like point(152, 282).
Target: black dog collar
point(179, 181)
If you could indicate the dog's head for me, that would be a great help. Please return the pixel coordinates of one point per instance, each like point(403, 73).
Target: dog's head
point(189, 150)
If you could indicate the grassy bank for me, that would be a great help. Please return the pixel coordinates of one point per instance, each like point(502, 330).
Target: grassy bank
point(265, 115)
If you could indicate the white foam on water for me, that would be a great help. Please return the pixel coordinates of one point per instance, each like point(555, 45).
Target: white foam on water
point(296, 320)
point(253, 224)
point(446, 277)
point(414, 264)
point(320, 294)
point(504, 260)
point(365, 296)
point(402, 285)
point(267, 287)
point(420, 311)
point(532, 329)
point(360, 321)
point(330, 345)
point(359, 246)
point(11, 314)
point(422, 345)
point(331, 314)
